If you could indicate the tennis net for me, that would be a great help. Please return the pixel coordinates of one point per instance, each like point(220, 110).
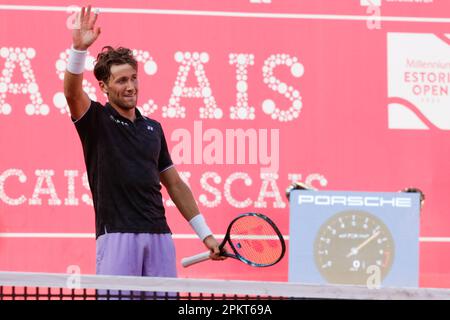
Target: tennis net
point(49, 286)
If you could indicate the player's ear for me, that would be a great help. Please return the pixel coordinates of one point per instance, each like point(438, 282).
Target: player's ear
point(103, 86)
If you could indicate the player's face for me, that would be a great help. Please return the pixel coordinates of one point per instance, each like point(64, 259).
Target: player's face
point(122, 87)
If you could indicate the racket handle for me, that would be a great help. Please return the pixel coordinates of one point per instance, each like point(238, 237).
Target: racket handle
point(189, 261)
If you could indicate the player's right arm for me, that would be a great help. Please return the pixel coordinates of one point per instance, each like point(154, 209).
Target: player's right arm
point(83, 36)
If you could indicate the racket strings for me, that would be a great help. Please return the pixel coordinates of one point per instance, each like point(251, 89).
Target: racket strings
point(256, 240)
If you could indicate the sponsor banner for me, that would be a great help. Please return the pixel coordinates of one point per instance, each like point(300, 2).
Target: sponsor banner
point(419, 81)
point(355, 238)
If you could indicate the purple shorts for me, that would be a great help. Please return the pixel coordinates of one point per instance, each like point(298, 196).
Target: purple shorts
point(136, 254)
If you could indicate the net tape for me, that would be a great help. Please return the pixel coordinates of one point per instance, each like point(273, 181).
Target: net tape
point(231, 289)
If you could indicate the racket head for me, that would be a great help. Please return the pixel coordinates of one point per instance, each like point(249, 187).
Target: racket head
point(255, 240)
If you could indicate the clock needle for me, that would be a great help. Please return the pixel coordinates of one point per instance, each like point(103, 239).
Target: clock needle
point(355, 251)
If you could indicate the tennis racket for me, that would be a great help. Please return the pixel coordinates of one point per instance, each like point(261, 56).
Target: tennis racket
point(252, 238)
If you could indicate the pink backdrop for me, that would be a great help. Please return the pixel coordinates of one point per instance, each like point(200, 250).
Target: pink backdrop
point(333, 98)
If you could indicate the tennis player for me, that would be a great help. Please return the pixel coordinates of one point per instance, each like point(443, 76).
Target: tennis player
point(126, 157)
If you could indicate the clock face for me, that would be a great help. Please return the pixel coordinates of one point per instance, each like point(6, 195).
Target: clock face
point(348, 243)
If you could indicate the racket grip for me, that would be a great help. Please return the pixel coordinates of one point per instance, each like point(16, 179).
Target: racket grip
point(189, 261)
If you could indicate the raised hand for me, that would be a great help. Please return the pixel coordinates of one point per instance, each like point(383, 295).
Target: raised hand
point(86, 33)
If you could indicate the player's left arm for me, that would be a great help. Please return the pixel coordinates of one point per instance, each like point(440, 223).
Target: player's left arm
point(180, 193)
point(182, 196)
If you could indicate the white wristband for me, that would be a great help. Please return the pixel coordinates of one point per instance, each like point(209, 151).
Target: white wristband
point(76, 61)
point(200, 227)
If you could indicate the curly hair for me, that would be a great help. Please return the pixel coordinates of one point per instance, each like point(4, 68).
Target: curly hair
point(109, 57)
